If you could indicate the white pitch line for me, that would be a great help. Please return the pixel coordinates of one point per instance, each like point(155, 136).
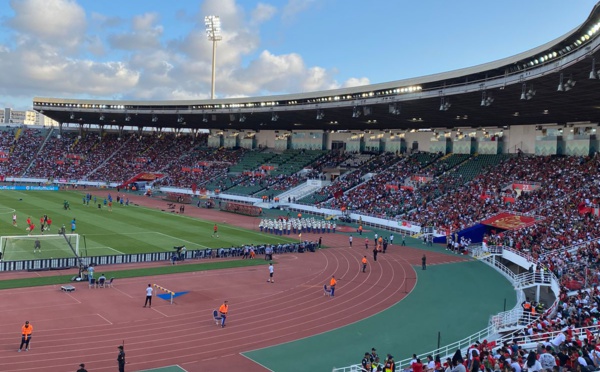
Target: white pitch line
point(183, 240)
point(161, 313)
point(106, 320)
point(126, 294)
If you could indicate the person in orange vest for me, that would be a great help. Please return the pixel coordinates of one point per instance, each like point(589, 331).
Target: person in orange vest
point(223, 310)
point(364, 264)
point(26, 331)
point(332, 284)
point(360, 229)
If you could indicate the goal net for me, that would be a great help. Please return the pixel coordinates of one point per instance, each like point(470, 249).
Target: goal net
point(33, 247)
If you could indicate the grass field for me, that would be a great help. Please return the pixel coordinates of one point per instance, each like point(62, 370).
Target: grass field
point(127, 229)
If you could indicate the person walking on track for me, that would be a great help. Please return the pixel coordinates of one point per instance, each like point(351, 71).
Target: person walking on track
point(148, 296)
point(121, 358)
point(223, 310)
point(271, 269)
point(424, 262)
point(332, 284)
point(350, 241)
point(26, 331)
point(364, 264)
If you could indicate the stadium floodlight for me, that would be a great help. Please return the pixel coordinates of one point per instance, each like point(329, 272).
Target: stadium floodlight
point(570, 84)
point(445, 104)
point(213, 32)
point(593, 73)
point(561, 86)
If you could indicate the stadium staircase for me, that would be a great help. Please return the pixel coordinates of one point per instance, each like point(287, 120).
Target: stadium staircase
point(37, 155)
point(108, 158)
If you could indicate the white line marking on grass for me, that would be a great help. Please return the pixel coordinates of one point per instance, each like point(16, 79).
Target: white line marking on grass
point(229, 226)
point(183, 240)
point(112, 249)
point(106, 320)
point(183, 369)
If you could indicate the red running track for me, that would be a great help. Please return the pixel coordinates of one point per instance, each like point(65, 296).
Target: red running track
point(87, 325)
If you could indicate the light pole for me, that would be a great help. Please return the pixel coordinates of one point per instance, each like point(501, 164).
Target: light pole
point(213, 31)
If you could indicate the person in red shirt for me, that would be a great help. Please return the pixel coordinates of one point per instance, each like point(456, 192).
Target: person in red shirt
point(417, 366)
point(215, 231)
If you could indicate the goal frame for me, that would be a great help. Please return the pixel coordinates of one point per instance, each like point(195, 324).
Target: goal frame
point(74, 242)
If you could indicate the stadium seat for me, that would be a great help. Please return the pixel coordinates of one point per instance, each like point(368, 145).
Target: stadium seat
point(326, 290)
point(216, 317)
point(110, 282)
point(101, 283)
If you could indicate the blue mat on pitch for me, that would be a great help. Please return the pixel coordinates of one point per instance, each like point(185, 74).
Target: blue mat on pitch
point(166, 296)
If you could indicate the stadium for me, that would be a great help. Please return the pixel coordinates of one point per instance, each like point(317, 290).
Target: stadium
point(473, 181)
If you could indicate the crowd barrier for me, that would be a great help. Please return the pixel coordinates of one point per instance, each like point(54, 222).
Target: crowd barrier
point(72, 262)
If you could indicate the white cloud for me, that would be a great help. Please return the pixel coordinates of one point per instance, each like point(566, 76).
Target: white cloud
point(54, 52)
point(262, 13)
point(294, 7)
point(145, 34)
point(61, 23)
point(355, 82)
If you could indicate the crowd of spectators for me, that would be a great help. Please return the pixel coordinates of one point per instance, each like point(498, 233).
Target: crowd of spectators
point(351, 179)
point(24, 147)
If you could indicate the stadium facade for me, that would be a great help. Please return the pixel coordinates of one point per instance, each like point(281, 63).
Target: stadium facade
point(542, 101)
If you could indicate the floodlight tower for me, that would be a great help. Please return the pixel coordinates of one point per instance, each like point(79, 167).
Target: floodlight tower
point(213, 31)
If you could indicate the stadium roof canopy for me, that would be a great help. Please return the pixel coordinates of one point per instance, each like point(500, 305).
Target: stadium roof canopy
point(556, 82)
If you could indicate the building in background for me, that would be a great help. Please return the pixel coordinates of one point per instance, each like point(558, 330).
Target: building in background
point(26, 117)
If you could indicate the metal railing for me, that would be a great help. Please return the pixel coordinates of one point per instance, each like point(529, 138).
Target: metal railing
point(515, 316)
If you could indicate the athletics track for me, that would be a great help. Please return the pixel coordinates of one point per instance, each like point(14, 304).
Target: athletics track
point(87, 325)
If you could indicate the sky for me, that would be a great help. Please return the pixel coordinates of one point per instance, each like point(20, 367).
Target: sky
point(158, 49)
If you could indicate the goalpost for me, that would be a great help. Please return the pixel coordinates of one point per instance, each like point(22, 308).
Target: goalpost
point(21, 247)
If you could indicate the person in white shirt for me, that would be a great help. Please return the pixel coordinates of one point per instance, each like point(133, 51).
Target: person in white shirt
point(532, 364)
point(558, 340)
point(148, 296)
point(430, 364)
point(547, 360)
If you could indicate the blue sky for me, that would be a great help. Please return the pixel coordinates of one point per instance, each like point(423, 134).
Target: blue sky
point(158, 50)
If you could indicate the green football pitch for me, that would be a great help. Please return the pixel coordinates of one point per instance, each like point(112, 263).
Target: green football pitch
point(125, 230)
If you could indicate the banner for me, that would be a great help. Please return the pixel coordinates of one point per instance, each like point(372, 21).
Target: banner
point(525, 186)
point(30, 188)
point(509, 221)
point(186, 169)
point(391, 187)
point(73, 156)
point(409, 188)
